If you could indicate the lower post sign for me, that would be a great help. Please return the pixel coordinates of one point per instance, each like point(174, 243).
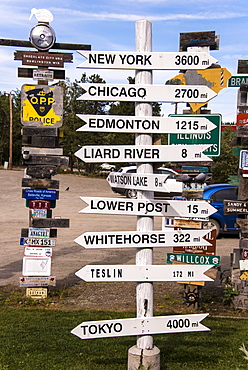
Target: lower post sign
point(140, 326)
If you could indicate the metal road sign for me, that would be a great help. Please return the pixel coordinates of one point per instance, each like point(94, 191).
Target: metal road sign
point(142, 239)
point(236, 81)
point(125, 124)
point(147, 93)
point(42, 105)
point(148, 207)
point(150, 182)
point(212, 138)
point(140, 326)
point(146, 60)
point(39, 242)
point(48, 194)
point(38, 252)
point(195, 259)
point(243, 158)
point(142, 153)
point(144, 273)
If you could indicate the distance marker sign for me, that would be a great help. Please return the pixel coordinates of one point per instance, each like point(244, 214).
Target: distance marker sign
point(128, 124)
point(144, 273)
point(140, 326)
point(146, 60)
point(142, 153)
point(146, 207)
point(147, 93)
point(141, 239)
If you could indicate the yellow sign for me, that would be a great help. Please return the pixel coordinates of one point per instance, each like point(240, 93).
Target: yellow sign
point(42, 105)
point(215, 78)
point(244, 276)
point(36, 293)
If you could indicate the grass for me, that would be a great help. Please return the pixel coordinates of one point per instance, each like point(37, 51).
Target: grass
point(39, 338)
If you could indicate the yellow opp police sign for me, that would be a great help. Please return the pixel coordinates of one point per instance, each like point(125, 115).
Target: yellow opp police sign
point(42, 105)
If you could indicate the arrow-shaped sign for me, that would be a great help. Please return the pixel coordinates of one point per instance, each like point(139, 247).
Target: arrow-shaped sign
point(143, 153)
point(147, 93)
point(140, 326)
point(126, 124)
point(142, 239)
point(150, 182)
point(148, 207)
point(144, 273)
point(146, 60)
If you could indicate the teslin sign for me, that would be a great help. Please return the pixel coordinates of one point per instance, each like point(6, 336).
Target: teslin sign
point(146, 60)
point(140, 326)
point(142, 153)
point(138, 239)
point(127, 124)
point(147, 93)
point(42, 105)
point(148, 207)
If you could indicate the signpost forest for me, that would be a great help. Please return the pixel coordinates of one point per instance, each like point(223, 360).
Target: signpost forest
point(144, 153)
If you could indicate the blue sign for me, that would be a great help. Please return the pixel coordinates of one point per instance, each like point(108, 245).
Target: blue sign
point(243, 158)
point(47, 194)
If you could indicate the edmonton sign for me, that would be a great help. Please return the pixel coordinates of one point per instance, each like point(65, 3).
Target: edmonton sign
point(127, 124)
point(142, 153)
point(147, 93)
point(144, 273)
point(146, 60)
point(138, 239)
point(147, 207)
point(150, 182)
point(140, 326)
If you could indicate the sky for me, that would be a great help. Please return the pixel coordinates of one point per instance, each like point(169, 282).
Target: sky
point(110, 26)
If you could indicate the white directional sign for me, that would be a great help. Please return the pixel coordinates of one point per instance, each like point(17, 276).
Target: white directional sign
point(142, 153)
point(140, 326)
point(148, 207)
point(154, 124)
point(142, 239)
point(151, 182)
point(144, 273)
point(146, 60)
point(147, 93)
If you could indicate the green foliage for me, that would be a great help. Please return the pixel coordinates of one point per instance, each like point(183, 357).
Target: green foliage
point(226, 164)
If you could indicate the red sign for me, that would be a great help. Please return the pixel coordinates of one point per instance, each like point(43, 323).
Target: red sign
point(206, 250)
point(242, 119)
point(39, 204)
point(245, 254)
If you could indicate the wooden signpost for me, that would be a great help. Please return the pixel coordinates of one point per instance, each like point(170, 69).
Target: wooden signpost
point(146, 326)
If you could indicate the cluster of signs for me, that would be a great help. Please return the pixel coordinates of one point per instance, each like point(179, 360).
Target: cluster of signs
point(195, 267)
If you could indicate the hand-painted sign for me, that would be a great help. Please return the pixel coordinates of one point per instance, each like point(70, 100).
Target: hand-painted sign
point(147, 93)
point(36, 266)
point(195, 259)
point(172, 124)
point(50, 222)
point(138, 239)
point(39, 242)
point(142, 153)
point(235, 206)
point(212, 138)
point(49, 194)
point(42, 105)
point(147, 207)
point(144, 273)
point(150, 182)
point(140, 326)
point(146, 60)
point(26, 281)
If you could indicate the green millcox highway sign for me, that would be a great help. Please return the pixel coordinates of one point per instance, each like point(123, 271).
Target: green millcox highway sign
point(236, 81)
point(194, 259)
point(211, 138)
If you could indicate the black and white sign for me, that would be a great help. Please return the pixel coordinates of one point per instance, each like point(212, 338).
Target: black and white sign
point(144, 273)
point(147, 93)
point(142, 239)
point(140, 326)
point(127, 124)
point(146, 60)
point(142, 153)
point(148, 207)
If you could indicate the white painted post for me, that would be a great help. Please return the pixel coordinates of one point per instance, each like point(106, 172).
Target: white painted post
point(144, 353)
